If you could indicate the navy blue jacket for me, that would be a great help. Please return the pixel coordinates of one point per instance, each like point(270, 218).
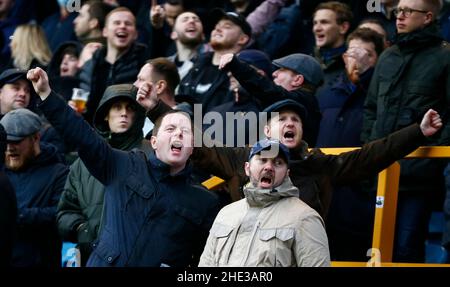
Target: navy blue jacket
point(342, 107)
point(38, 189)
point(151, 217)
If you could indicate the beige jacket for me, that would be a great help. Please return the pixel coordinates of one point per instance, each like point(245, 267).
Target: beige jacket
point(268, 228)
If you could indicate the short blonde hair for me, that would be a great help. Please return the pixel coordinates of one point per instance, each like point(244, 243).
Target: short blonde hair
point(28, 43)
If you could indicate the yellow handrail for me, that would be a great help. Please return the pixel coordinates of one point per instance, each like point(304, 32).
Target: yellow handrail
point(386, 208)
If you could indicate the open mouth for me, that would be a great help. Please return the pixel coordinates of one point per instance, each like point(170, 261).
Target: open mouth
point(266, 181)
point(122, 35)
point(320, 37)
point(176, 147)
point(289, 135)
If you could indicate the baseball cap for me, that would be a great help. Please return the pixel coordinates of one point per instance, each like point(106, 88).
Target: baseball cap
point(20, 123)
point(302, 64)
point(9, 76)
point(218, 14)
point(270, 144)
point(287, 104)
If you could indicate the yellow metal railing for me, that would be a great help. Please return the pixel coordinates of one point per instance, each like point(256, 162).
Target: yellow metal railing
point(385, 211)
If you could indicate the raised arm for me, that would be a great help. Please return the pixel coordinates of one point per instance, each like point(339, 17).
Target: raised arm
point(103, 162)
point(377, 155)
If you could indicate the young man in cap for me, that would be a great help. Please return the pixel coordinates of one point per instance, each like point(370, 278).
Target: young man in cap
point(37, 175)
point(14, 90)
point(205, 82)
point(245, 232)
point(297, 78)
point(154, 214)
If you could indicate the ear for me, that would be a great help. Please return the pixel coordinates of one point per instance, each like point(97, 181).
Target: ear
point(247, 168)
point(243, 40)
point(298, 80)
point(106, 118)
point(93, 23)
point(173, 35)
point(267, 132)
point(428, 18)
point(161, 85)
point(343, 28)
point(288, 172)
point(153, 142)
point(105, 32)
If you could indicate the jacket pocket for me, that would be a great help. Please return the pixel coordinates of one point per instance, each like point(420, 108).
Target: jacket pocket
point(274, 247)
point(221, 233)
point(106, 253)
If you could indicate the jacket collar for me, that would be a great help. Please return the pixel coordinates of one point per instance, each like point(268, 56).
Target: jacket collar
point(257, 197)
point(161, 170)
point(426, 37)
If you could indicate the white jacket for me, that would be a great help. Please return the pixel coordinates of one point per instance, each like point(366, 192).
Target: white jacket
point(268, 228)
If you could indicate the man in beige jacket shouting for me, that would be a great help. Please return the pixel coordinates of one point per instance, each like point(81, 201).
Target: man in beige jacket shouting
point(271, 226)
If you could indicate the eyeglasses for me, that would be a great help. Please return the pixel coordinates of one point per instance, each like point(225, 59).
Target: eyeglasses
point(406, 11)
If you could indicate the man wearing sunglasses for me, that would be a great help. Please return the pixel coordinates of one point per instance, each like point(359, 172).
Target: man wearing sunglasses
point(411, 77)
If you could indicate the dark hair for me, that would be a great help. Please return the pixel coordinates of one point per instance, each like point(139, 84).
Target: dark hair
point(342, 10)
point(167, 71)
point(370, 36)
point(161, 118)
point(98, 10)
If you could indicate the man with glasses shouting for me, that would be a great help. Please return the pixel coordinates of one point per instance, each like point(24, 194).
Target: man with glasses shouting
point(411, 77)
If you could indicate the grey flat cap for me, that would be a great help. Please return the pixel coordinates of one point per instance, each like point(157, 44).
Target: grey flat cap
point(304, 65)
point(20, 123)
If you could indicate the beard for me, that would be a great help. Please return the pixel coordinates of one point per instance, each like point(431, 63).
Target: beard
point(20, 163)
point(191, 42)
point(218, 46)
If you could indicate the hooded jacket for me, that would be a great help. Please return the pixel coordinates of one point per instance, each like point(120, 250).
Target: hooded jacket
point(81, 206)
point(269, 228)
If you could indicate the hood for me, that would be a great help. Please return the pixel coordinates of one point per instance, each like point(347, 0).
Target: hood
point(129, 139)
point(49, 155)
point(53, 66)
point(258, 197)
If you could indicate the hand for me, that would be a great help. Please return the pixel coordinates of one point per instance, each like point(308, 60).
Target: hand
point(431, 123)
point(356, 61)
point(87, 52)
point(157, 15)
point(73, 105)
point(225, 59)
point(39, 79)
point(146, 97)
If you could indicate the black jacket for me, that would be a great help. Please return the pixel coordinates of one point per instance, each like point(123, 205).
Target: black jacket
point(268, 93)
point(123, 71)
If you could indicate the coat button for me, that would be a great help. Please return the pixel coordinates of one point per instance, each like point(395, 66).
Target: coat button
point(109, 259)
